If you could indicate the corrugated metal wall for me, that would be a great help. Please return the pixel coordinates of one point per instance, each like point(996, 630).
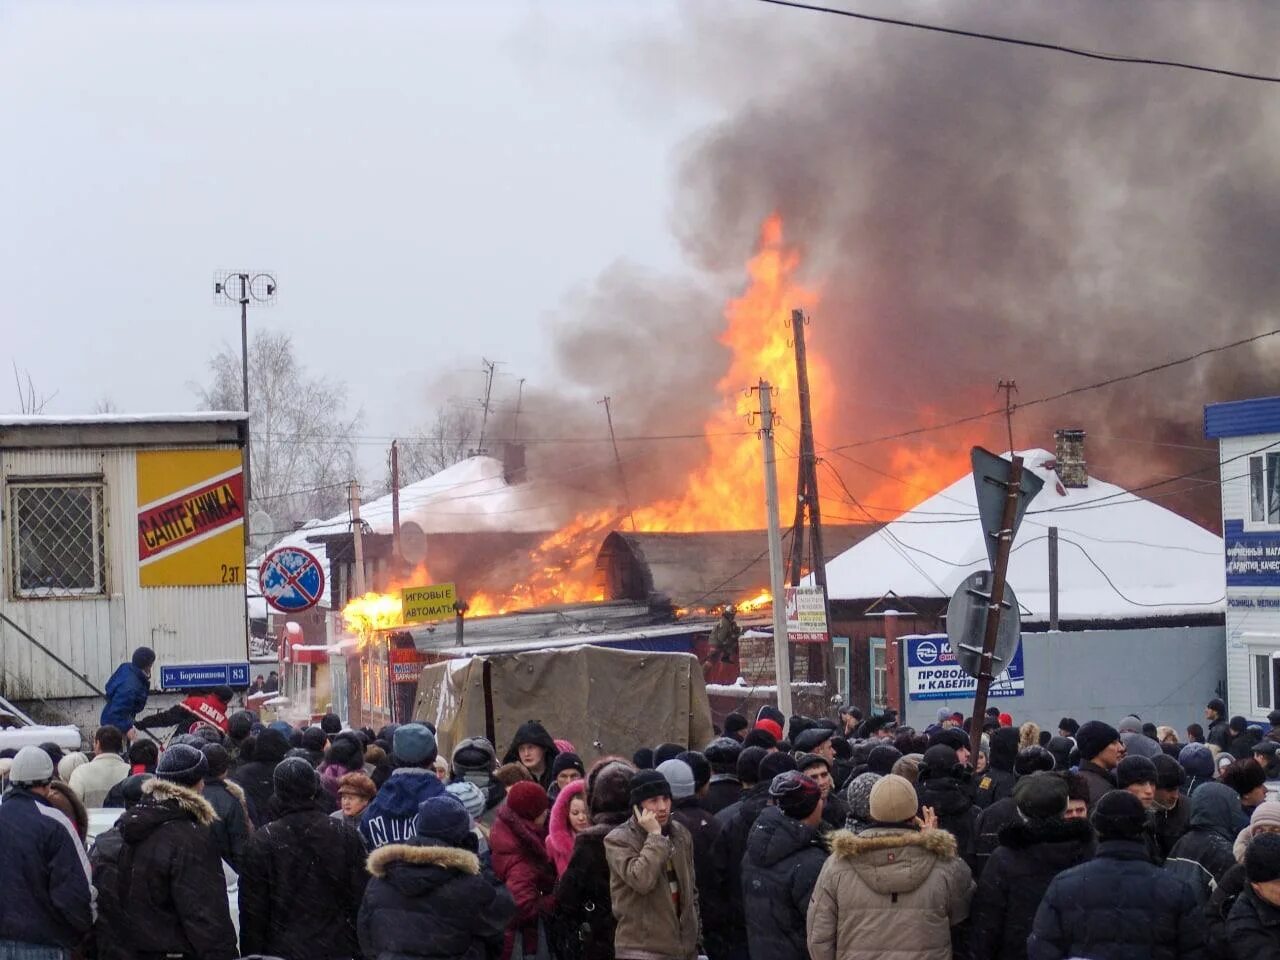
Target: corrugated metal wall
point(94, 635)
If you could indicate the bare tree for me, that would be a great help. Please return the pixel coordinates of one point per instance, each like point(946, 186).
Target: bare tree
point(301, 439)
point(105, 404)
point(29, 401)
point(448, 440)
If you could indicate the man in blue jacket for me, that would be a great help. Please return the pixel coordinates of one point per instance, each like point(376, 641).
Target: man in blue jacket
point(127, 691)
point(390, 817)
point(47, 906)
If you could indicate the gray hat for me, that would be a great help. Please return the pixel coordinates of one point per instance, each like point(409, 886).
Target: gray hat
point(414, 743)
point(31, 767)
point(182, 764)
point(680, 775)
point(858, 793)
point(469, 795)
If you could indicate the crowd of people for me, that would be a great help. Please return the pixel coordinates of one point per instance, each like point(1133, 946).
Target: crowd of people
point(805, 838)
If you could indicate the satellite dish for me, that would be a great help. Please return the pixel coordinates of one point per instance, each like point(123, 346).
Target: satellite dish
point(413, 542)
point(262, 529)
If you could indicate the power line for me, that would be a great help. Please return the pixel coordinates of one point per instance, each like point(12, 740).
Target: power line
point(1020, 42)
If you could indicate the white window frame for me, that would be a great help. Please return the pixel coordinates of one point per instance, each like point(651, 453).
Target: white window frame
point(1263, 467)
point(14, 538)
point(878, 675)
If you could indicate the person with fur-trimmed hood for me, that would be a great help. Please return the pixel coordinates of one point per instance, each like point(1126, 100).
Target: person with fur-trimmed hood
point(533, 748)
point(302, 876)
point(171, 885)
point(430, 896)
point(1033, 849)
point(898, 888)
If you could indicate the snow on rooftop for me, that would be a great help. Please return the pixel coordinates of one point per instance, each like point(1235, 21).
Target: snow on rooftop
point(469, 497)
point(55, 420)
point(1119, 556)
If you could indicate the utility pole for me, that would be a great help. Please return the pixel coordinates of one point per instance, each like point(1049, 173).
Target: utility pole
point(357, 539)
point(489, 367)
point(239, 287)
point(995, 604)
point(617, 459)
point(1010, 387)
point(395, 501)
point(515, 426)
point(1053, 578)
point(781, 649)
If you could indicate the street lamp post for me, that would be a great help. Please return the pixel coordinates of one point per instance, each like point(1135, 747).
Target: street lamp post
point(239, 287)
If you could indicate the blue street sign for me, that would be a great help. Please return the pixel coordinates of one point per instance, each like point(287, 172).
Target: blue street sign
point(291, 579)
point(188, 675)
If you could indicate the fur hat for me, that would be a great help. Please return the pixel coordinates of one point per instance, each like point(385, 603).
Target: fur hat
point(956, 739)
point(357, 785)
point(1032, 760)
point(760, 737)
point(701, 768)
point(893, 800)
point(1133, 770)
point(1041, 796)
point(772, 764)
point(1119, 815)
point(648, 784)
point(939, 761)
point(722, 754)
point(609, 787)
point(1169, 773)
point(1244, 776)
point(882, 758)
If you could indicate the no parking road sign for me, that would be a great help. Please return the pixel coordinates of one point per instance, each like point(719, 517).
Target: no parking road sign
point(291, 579)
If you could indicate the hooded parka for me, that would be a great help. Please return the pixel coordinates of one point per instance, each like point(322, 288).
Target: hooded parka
point(531, 731)
point(1204, 853)
point(784, 858)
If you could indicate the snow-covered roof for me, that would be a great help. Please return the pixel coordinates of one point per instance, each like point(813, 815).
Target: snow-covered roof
point(1119, 556)
point(55, 420)
point(469, 497)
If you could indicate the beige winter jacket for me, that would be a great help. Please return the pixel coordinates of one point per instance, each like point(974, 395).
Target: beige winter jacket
point(648, 928)
point(92, 781)
point(889, 894)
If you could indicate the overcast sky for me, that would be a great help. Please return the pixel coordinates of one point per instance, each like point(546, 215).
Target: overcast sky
point(427, 180)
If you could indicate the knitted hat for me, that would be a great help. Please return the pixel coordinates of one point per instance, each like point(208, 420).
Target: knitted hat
point(215, 754)
point(1119, 815)
point(1041, 796)
point(240, 725)
point(469, 795)
point(939, 761)
point(1135, 770)
point(893, 800)
point(735, 723)
point(1130, 724)
point(31, 767)
point(858, 793)
point(795, 794)
point(609, 788)
point(680, 776)
point(643, 758)
point(944, 714)
point(1140, 745)
point(143, 658)
point(882, 759)
point(722, 754)
point(68, 764)
point(527, 800)
point(760, 737)
point(331, 723)
point(1262, 860)
point(1006, 720)
point(1094, 737)
point(295, 780)
point(772, 726)
point(701, 768)
point(1169, 773)
point(314, 739)
point(1265, 814)
point(772, 764)
point(357, 785)
point(206, 734)
point(1032, 760)
point(567, 761)
point(1197, 760)
point(346, 752)
point(749, 764)
point(444, 818)
point(811, 739)
point(647, 784)
point(1061, 748)
point(181, 764)
point(414, 744)
point(664, 752)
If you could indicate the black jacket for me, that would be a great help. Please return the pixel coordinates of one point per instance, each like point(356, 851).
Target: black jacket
point(171, 884)
point(782, 864)
point(993, 785)
point(1241, 746)
point(531, 731)
point(1100, 782)
point(705, 830)
point(430, 900)
point(1224, 896)
point(1118, 906)
point(1171, 824)
point(1218, 734)
point(301, 881)
point(583, 924)
point(723, 790)
point(111, 933)
point(256, 776)
point(1030, 854)
point(951, 801)
point(990, 822)
point(231, 829)
point(1205, 853)
point(1253, 928)
point(736, 821)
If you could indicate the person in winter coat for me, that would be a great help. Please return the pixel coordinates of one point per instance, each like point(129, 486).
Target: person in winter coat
point(1248, 779)
point(584, 924)
point(785, 854)
point(704, 830)
point(171, 883)
point(1218, 734)
point(474, 760)
point(1253, 926)
point(256, 777)
point(566, 768)
point(1118, 905)
point(345, 755)
point(94, 780)
point(1170, 809)
point(61, 797)
point(1265, 820)
point(944, 787)
point(651, 881)
point(568, 818)
point(127, 691)
point(1005, 811)
point(390, 817)
point(996, 782)
point(46, 907)
point(1204, 853)
point(1197, 760)
point(231, 829)
point(355, 792)
point(111, 934)
point(1100, 753)
point(858, 799)
point(430, 896)
point(1033, 849)
point(893, 890)
point(302, 877)
point(517, 846)
point(818, 769)
point(533, 748)
point(725, 787)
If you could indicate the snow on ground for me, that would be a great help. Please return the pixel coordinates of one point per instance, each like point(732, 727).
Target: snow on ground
point(1158, 563)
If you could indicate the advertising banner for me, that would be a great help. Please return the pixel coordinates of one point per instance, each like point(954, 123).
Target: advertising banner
point(933, 674)
point(806, 614)
point(191, 512)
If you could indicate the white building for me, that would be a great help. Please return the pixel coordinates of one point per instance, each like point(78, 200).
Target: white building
point(118, 532)
point(1248, 435)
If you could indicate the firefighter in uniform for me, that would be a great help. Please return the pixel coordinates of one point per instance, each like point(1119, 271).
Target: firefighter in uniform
point(724, 636)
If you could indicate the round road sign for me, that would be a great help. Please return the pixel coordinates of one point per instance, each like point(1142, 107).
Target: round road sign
point(291, 579)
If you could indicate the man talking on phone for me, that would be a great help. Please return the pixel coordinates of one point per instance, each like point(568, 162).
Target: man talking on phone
point(655, 897)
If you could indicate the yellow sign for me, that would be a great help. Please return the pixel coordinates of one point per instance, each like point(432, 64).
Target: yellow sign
point(191, 511)
point(428, 603)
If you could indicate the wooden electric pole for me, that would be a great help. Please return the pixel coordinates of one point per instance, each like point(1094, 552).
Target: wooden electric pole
point(781, 649)
point(395, 502)
point(357, 539)
point(617, 459)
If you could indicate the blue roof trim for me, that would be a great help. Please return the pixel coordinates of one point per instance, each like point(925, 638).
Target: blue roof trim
point(1242, 418)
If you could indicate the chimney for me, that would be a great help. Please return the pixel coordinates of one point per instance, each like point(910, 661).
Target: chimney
point(513, 465)
point(1072, 468)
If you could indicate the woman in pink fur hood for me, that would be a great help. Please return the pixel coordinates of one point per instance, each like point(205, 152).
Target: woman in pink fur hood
point(569, 817)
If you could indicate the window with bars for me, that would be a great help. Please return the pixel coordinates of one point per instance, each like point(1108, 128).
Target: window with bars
point(56, 539)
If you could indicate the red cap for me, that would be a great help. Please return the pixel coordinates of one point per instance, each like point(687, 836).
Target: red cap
point(770, 726)
point(1006, 720)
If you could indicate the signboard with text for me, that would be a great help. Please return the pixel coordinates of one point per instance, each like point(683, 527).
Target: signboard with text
point(188, 676)
point(1253, 556)
point(190, 518)
point(434, 602)
point(806, 614)
point(934, 674)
